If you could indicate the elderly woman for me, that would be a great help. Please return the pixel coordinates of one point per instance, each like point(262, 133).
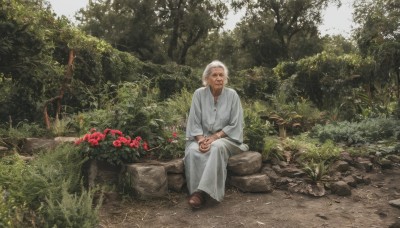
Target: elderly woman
point(214, 133)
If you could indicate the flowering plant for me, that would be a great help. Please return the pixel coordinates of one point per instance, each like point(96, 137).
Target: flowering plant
point(112, 146)
point(170, 145)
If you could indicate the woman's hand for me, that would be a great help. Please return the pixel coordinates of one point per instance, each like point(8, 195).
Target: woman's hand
point(203, 146)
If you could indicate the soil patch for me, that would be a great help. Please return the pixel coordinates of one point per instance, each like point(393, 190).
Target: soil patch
point(366, 207)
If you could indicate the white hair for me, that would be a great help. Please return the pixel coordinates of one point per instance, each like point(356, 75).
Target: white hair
point(210, 66)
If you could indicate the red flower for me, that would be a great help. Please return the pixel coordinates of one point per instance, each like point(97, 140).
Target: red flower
point(93, 142)
point(117, 143)
point(145, 146)
point(116, 132)
point(107, 130)
point(138, 138)
point(174, 134)
point(86, 137)
point(134, 144)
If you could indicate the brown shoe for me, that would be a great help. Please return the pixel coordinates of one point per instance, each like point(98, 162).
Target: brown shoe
point(196, 200)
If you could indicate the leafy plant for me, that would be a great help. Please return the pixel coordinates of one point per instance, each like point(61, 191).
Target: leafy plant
point(256, 128)
point(327, 152)
point(111, 146)
point(368, 130)
point(170, 145)
point(272, 149)
point(72, 210)
point(315, 171)
point(31, 187)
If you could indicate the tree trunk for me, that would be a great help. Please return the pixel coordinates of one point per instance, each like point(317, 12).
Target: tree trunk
point(67, 80)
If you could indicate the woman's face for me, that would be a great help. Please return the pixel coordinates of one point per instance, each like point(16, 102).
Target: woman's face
point(216, 79)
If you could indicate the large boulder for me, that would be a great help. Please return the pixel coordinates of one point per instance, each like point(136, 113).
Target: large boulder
point(33, 145)
point(252, 183)
point(245, 163)
point(147, 181)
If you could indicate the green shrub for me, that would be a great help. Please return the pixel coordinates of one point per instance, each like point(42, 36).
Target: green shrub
point(272, 149)
point(72, 210)
point(326, 153)
point(365, 131)
point(29, 185)
point(256, 128)
point(315, 171)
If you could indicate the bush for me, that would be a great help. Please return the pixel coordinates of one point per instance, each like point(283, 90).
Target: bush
point(256, 128)
point(111, 146)
point(44, 181)
point(365, 131)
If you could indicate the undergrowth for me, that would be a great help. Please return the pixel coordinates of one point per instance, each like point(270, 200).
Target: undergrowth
point(46, 192)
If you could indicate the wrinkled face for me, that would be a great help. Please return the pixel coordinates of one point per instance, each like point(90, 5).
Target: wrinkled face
point(216, 79)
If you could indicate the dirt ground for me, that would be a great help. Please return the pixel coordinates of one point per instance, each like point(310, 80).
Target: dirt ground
point(367, 207)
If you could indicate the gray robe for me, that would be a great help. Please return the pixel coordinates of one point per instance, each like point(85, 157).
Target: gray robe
point(207, 171)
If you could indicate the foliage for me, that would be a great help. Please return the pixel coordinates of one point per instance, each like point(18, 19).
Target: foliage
point(72, 210)
point(175, 109)
point(170, 145)
point(378, 36)
point(169, 28)
point(111, 146)
point(366, 131)
point(257, 83)
point(325, 153)
point(272, 26)
point(53, 173)
point(315, 171)
point(328, 80)
point(256, 128)
point(272, 149)
point(292, 114)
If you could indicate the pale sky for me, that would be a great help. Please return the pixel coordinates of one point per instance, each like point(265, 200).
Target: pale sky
point(336, 21)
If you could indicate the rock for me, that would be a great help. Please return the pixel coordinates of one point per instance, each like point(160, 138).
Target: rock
point(395, 224)
point(282, 164)
point(32, 145)
point(175, 182)
point(361, 179)
point(283, 183)
point(395, 203)
point(270, 173)
point(386, 163)
point(394, 158)
point(350, 181)
point(2, 148)
point(101, 172)
point(174, 166)
point(292, 172)
point(364, 164)
point(26, 158)
point(252, 183)
point(340, 188)
point(316, 189)
point(65, 139)
point(345, 156)
point(277, 169)
point(148, 181)
point(341, 166)
point(245, 163)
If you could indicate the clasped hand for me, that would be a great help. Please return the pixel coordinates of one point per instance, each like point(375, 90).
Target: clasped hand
point(205, 143)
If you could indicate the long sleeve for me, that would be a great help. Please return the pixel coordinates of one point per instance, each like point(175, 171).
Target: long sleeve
point(234, 129)
point(194, 123)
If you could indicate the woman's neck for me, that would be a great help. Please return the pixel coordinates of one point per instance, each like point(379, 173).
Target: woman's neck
point(216, 92)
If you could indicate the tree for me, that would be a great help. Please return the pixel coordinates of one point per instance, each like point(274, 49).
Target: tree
point(286, 19)
point(156, 26)
point(379, 36)
point(130, 26)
